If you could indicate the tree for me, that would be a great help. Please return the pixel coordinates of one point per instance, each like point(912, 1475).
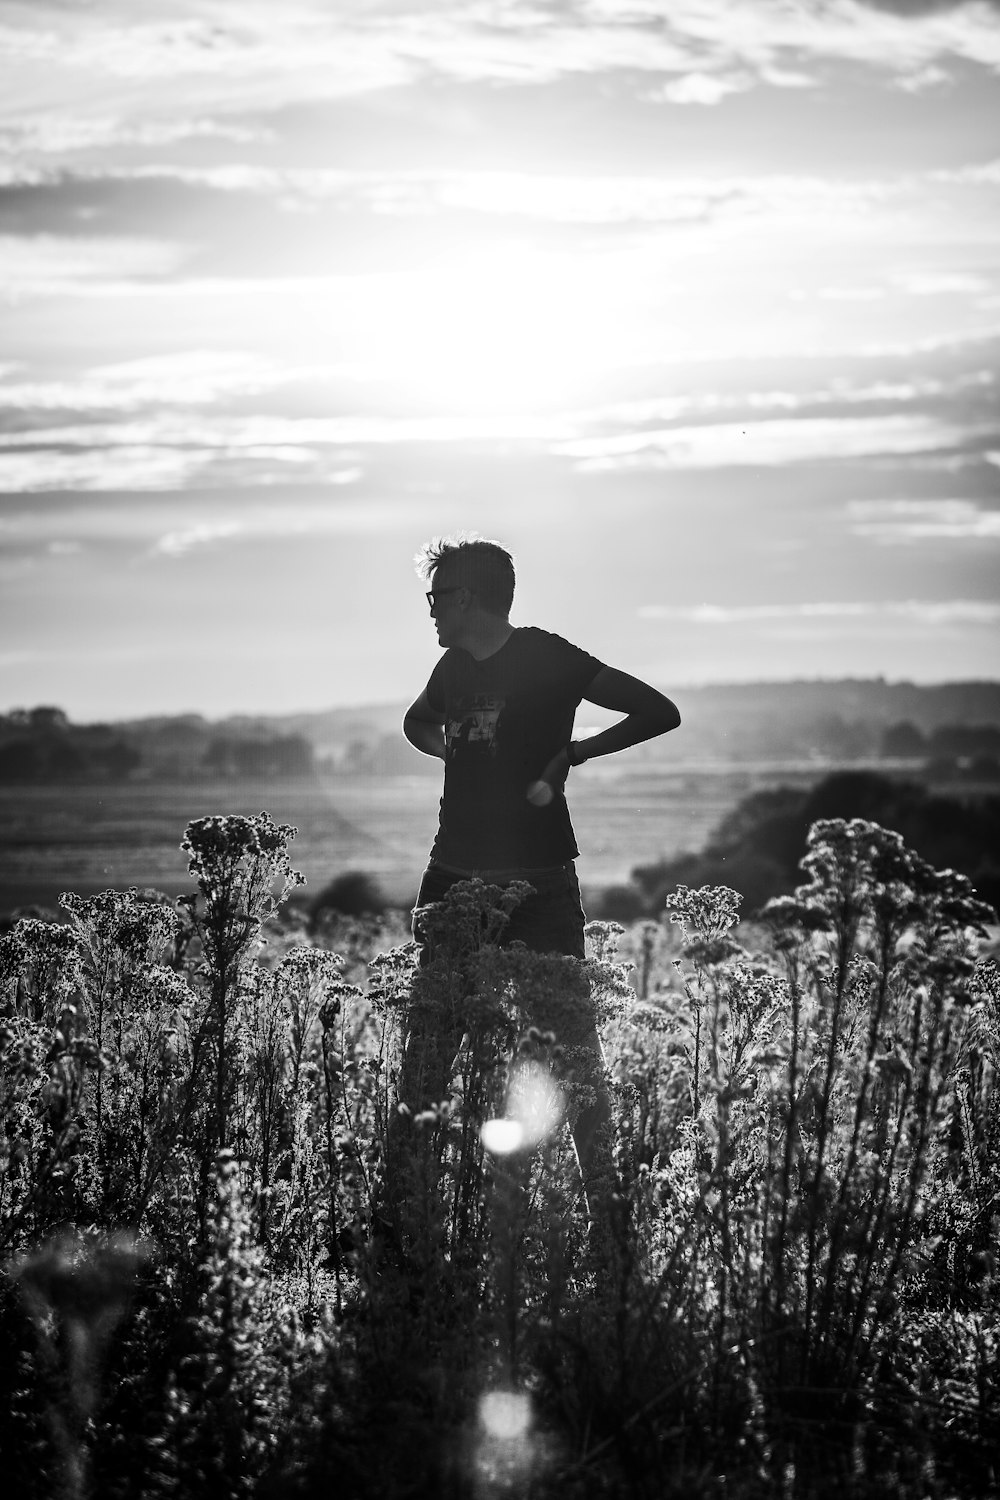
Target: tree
point(965, 740)
point(757, 847)
point(291, 755)
point(63, 758)
point(903, 741)
point(47, 718)
point(118, 759)
point(353, 894)
point(19, 760)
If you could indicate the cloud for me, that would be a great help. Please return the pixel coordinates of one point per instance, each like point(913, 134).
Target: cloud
point(120, 196)
point(273, 222)
point(40, 263)
point(170, 421)
point(919, 611)
point(266, 57)
point(911, 10)
point(176, 543)
point(700, 88)
point(942, 283)
point(153, 527)
point(198, 377)
point(267, 523)
point(56, 134)
point(183, 429)
point(131, 468)
point(768, 443)
point(904, 521)
point(843, 392)
point(923, 79)
point(144, 467)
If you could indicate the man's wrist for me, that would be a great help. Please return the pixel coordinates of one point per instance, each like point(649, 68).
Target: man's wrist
point(574, 752)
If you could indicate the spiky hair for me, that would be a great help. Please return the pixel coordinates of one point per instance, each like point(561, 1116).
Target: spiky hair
point(486, 566)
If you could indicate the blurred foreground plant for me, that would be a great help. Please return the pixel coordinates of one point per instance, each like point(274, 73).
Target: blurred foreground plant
point(76, 1289)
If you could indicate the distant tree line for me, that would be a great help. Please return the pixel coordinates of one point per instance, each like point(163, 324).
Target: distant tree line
point(829, 736)
point(757, 847)
point(286, 755)
point(831, 720)
point(975, 743)
point(385, 755)
point(42, 745)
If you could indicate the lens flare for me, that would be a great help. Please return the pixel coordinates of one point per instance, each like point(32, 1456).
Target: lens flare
point(534, 1110)
point(502, 1137)
point(505, 1414)
point(534, 1100)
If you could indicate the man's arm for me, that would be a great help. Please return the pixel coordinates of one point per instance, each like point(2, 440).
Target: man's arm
point(647, 714)
point(424, 727)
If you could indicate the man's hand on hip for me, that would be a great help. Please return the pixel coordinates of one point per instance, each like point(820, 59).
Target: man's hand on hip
point(552, 780)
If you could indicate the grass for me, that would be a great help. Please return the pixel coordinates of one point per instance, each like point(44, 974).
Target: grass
point(91, 836)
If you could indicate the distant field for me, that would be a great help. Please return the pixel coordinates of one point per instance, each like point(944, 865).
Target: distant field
point(89, 837)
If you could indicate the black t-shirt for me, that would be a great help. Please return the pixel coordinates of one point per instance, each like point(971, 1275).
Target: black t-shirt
point(505, 718)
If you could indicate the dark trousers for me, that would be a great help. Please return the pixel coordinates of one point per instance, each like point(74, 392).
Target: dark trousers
point(549, 920)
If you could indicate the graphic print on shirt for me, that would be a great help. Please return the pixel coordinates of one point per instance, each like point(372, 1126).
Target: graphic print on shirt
point(475, 722)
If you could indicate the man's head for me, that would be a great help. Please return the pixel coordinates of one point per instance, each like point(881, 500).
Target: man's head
point(468, 578)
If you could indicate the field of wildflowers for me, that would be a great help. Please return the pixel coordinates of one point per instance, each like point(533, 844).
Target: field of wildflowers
point(235, 1264)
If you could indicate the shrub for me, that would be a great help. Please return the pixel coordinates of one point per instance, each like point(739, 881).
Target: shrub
point(353, 894)
point(757, 847)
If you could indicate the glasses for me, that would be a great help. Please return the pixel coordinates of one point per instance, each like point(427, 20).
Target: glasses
point(433, 595)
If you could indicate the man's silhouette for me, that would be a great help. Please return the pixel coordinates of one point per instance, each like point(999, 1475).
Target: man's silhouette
point(498, 710)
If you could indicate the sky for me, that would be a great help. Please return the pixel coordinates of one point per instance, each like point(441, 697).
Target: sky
point(695, 305)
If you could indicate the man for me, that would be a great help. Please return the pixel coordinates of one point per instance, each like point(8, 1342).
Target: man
point(498, 710)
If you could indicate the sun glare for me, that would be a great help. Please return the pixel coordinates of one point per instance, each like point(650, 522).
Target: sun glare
point(516, 329)
point(497, 331)
point(534, 1111)
point(502, 1137)
point(505, 1414)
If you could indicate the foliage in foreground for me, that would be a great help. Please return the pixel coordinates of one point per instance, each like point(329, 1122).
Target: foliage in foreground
point(235, 1266)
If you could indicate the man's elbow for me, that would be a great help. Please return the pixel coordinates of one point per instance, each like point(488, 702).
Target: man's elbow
point(665, 715)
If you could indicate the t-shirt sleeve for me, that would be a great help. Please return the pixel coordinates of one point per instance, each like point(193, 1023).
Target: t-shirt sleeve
point(436, 694)
point(576, 666)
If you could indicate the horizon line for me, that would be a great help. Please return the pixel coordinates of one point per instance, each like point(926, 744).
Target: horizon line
point(740, 684)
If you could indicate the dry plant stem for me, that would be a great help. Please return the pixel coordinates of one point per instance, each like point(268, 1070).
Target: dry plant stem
point(508, 1202)
point(847, 1176)
point(927, 1105)
point(333, 1170)
point(790, 1123)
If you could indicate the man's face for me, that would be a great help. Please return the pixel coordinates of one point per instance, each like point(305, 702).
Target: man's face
point(446, 606)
